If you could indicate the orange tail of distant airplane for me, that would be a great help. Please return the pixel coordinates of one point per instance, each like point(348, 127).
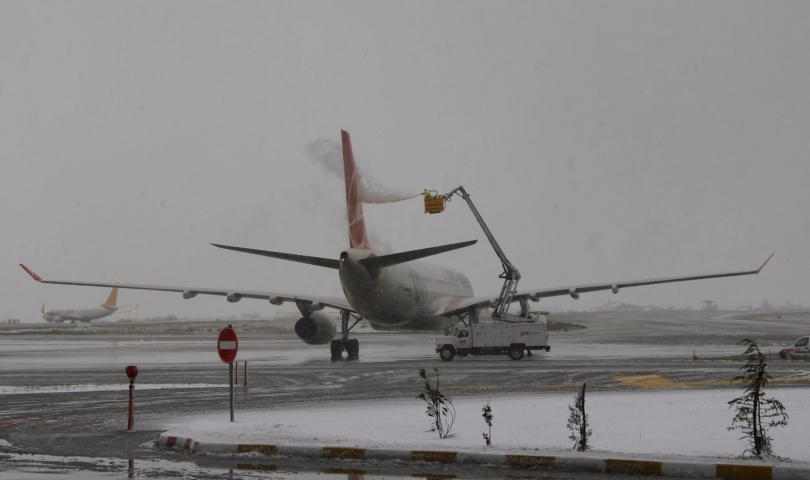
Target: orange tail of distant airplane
point(112, 299)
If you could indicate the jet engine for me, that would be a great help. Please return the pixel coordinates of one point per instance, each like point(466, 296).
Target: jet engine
point(57, 319)
point(315, 329)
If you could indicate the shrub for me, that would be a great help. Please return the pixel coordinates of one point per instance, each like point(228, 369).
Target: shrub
point(488, 419)
point(578, 422)
point(439, 406)
point(755, 412)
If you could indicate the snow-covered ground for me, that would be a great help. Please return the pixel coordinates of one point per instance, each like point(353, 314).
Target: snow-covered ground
point(661, 424)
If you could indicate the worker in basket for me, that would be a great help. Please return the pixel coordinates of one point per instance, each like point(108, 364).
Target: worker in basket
point(427, 193)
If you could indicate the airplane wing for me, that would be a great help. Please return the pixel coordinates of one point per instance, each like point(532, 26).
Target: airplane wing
point(535, 295)
point(233, 295)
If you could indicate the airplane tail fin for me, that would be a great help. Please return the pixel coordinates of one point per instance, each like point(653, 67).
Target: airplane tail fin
point(354, 203)
point(112, 299)
point(43, 308)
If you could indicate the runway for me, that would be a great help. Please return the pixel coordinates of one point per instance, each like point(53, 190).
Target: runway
point(65, 394)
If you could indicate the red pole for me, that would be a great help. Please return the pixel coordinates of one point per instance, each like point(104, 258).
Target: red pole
point(131, 417)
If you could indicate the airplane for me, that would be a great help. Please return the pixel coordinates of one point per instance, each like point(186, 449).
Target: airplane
point(86, 315)
point(393, 291)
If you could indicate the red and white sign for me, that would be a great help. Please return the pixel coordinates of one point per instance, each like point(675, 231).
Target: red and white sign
point(227, 344)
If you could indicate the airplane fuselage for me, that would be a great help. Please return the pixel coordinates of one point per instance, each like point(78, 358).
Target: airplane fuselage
point(409, 294)
point(84, 315)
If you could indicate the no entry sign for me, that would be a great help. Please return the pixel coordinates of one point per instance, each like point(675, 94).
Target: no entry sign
point(227, 344)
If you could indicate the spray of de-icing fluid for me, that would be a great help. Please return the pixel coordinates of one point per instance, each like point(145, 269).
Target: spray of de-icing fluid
point(329, 155)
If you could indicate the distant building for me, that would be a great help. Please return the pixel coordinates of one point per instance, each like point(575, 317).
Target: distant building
point(708, 305)
point(618, 307)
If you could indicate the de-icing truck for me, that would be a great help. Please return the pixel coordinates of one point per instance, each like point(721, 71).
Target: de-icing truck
point(512, 339)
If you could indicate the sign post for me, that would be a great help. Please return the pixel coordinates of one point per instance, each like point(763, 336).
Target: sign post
point(132, 372)
point(227, 345)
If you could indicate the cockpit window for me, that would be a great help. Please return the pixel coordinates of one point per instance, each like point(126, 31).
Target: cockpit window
point(802, 342)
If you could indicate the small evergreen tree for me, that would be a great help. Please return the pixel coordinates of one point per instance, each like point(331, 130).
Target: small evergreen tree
point(755, 413)
point(439, 406)
point(578, 422)
point(488, 419)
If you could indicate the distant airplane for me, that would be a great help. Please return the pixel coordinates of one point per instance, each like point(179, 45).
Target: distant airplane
point(391, 291)
point(86, 315)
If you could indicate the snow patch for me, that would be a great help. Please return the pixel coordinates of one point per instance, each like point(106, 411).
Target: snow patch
point(662, 424)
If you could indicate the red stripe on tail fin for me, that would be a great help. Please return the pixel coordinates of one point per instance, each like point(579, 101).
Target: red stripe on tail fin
point(354, 204)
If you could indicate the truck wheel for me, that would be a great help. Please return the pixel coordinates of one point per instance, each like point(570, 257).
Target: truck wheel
point(515, 353)
point(447, 353)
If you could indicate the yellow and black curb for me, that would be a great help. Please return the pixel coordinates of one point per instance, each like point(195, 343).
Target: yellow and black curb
point(730, 471)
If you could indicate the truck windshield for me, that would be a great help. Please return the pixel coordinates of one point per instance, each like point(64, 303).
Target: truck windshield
point(463, 333)
point(802, 342)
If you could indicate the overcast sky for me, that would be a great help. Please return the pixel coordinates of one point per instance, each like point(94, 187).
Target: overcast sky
point(601, 141)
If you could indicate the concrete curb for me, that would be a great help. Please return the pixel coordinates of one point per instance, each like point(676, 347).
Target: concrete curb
point(726, 471)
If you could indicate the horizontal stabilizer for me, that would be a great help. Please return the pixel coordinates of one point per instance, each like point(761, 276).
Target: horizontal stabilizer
point(373, 263)
point(127, 309)
point(317, 261)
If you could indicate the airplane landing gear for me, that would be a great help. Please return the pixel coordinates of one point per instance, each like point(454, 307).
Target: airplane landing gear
point(351, 347)
point(344, 344)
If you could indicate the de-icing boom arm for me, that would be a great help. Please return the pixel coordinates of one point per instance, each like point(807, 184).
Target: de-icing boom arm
point(510, 274)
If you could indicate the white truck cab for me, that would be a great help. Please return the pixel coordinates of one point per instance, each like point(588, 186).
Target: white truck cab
point(801, 348)
point(512, 339)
